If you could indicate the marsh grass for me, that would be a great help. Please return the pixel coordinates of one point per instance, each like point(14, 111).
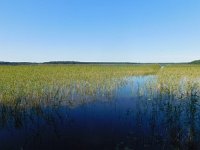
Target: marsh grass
point(179, 80)
point(46, 83)
point(77, 84)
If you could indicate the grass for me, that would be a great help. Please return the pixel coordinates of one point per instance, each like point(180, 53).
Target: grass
point(180, 80)
point(25, 84)
point(46, 84)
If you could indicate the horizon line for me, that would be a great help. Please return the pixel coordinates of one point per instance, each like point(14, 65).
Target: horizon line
point(74, 61)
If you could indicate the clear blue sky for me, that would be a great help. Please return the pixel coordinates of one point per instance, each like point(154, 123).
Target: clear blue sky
point(100, 30)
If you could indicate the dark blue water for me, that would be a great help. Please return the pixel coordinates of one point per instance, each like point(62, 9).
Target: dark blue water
point(125, 120)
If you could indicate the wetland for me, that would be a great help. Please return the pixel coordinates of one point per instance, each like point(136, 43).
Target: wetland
point(100, 107)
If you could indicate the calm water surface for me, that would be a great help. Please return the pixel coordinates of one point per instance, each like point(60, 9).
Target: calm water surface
point(128, 118)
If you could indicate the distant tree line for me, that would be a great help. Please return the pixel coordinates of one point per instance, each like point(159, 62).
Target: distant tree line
point(61, 62)
point(195, 62)
point(16, 63)
point(77, 62)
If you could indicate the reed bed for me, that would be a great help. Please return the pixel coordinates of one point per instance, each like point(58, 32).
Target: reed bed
point(179, 80)
point(77, 84)
point(25, 85)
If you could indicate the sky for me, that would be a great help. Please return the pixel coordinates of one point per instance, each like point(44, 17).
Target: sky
point(100, 30)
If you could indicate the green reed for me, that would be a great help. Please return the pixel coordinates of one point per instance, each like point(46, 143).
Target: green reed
point(181, 80)
point(48, 82)
point(73, 84)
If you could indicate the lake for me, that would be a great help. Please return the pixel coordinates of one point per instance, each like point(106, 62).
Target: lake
point(133, 115)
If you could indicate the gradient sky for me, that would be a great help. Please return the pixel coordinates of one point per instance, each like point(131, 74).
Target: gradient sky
point(100, 30)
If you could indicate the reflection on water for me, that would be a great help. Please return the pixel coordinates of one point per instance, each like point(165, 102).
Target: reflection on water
point(132, 116)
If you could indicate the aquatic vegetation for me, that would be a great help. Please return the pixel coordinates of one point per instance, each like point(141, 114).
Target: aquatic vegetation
point(179, 80)
point(73, 85)
point(45, 83)
point(120, 123)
